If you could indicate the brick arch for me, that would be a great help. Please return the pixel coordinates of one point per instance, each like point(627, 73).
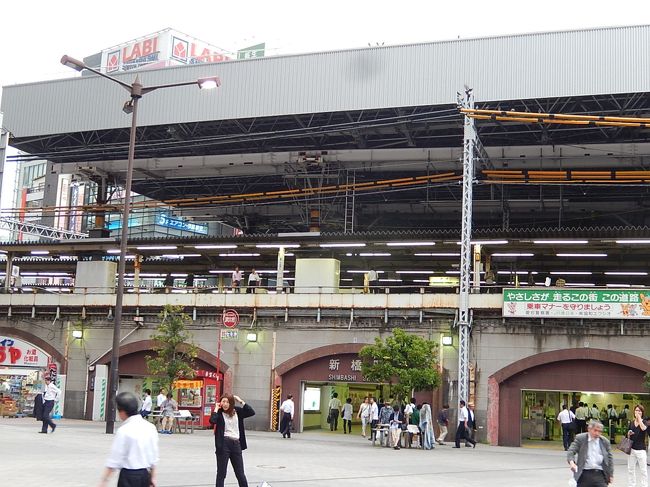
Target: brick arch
point(593, 364)
point(39, 342)
point(141, 345)
point(316, 353)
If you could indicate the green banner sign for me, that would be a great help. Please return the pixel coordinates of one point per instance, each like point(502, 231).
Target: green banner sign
point(631, 304)
point(252, 52)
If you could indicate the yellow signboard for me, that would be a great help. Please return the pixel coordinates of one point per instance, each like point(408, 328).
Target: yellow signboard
point(443, 281)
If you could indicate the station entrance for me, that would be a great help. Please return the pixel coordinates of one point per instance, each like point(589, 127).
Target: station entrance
point(316, 397)
point(540, 409)
point(535, 387)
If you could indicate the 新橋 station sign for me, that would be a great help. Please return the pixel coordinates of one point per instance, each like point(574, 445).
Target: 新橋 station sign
point(629, 304)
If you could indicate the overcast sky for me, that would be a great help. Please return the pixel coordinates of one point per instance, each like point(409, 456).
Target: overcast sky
point(35, 34)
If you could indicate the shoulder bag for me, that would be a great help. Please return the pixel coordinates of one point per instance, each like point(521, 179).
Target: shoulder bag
point(625, 445)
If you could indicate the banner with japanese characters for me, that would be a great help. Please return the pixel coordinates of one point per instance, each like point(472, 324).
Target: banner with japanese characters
point(628, 304)
point(18, 353)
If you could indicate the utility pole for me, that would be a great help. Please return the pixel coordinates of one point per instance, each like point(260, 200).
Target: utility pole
point(466, 100)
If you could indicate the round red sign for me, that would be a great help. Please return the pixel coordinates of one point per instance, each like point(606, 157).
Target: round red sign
point(230, 318)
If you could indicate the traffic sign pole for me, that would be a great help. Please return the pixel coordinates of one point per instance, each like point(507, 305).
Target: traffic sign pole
point(220, 387)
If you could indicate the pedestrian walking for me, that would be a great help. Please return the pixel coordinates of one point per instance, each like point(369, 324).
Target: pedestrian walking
point(637, 432)
point(160, 399)
point(566, 418)
point(594, 412)
point(287, 410)
point(374, 418)
point(462, 429)
point(581, 417)
point(230, 437)
point(471, 425)
point(443, 423)
point(347, 413)
point(145, 411)
point(169, 408)
point(590, 457)
point(135, 447)
point(612, 417)
point(426, 427)
point(364, 415)
point(51, 395)
point(334, 411)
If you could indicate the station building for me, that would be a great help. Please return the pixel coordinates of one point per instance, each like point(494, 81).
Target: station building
point(354, 156)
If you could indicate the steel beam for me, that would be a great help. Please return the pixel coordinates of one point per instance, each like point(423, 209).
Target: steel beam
point(466, 100)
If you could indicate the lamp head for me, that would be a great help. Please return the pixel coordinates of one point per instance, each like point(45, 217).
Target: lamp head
point(128, 107)
point(209, 83)
point(73, 63)
point(77, 333)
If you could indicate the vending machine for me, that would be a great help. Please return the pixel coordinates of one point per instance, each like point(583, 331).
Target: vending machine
point(199, 395)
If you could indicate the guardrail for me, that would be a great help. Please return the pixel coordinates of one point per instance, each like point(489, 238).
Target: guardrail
point(217, 299)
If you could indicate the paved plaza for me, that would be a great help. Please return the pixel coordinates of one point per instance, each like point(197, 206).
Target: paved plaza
point(74, 456)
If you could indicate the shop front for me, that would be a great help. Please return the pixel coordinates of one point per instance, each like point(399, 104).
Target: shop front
point(22, 369)
point(197, 394)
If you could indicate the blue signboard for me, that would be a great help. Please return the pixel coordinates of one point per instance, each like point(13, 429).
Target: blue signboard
point(165, 220)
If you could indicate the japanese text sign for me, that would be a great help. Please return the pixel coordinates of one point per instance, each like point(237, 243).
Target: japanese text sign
point(628, 304)
point(14, 352)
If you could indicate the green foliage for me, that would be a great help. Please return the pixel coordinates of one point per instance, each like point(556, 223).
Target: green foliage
point(406, 362)
point(175, 353)
point(646, 381)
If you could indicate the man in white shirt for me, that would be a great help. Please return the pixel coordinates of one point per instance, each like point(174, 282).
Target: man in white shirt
point(286, 410)
point(160, 399)
point(253, 281)
point(50, 396)
point(135, 447)
point(408, 410)
point(372, 281)
point(146, 404)
point(334, 411)
point(461, 430)
point(236, 279)
point(374, 418)
point(566, 418)
point(582, 411)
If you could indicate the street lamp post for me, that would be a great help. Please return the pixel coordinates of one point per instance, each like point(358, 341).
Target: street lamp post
point(137, 91)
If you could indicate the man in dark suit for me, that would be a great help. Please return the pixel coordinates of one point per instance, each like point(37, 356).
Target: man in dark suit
point(594, 466)
point(470, 441)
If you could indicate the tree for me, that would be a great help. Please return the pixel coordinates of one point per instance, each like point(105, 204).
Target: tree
point(646, 381)
point(406, 362)
point(175, 353)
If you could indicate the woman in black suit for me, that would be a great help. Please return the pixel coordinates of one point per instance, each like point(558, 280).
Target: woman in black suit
point(230, 437)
